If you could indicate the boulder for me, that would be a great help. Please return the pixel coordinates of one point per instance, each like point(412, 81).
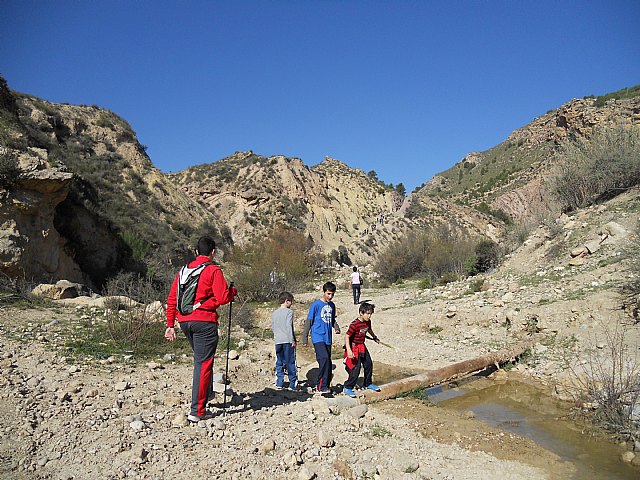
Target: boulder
point(614, 229)
point(63, 289)
point(592, 246)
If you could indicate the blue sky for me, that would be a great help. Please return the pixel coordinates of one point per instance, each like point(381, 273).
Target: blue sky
point(405, 88)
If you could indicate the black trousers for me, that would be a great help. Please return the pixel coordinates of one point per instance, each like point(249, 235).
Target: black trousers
point(364, 359)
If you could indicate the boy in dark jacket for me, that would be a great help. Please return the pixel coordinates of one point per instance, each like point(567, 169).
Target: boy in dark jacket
point(356, 353)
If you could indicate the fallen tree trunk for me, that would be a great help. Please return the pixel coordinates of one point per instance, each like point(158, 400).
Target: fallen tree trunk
point(449, 372)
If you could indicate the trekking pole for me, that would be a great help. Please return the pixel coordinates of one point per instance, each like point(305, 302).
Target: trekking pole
point(226, 368)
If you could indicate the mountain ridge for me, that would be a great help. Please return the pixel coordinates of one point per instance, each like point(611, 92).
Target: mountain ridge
point(113, 209)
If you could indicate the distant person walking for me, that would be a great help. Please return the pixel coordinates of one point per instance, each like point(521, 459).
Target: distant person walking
point(285, 341)
point(356, 284)
point(201, 325)
point(320, 320)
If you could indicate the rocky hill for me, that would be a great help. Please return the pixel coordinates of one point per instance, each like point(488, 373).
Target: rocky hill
point(84, 200)
point(511, 176)
point(251, 194)
point(335, 205)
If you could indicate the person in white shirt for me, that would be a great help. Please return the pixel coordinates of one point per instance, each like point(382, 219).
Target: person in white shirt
point(356, 283)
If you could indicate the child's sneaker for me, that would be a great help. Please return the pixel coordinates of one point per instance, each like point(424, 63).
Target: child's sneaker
point(278, 387)
point(293, 387)
point(348, 392)
point(373, 387)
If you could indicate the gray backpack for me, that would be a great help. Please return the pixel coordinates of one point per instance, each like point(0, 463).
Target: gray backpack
point(187, 286)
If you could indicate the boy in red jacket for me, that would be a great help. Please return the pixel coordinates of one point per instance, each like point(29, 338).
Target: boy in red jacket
point(201, 325)
point(356, 353)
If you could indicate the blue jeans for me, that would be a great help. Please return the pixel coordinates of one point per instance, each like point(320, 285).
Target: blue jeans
point(356, 293)
point(286, 357)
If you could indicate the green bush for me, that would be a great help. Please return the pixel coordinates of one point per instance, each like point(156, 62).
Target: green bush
point(593, 170)
point(139, 247)
point(497, 214)
point(9, 170)
point(488, 255)
point(428, 254)
point(447, 277)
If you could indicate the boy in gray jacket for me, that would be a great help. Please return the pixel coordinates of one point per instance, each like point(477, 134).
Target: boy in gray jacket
point(285, 341)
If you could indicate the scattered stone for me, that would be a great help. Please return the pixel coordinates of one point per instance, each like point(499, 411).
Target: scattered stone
point(306, 474)
point(578, 261)
point(613, 229)
point(592, 246)
point(137, 425)
point(121, 386)
point(576, 252)
point(627, 457)
point(33, 382)
point(325, 439)
point(180, 420)
point(358, 411)
point(269, 445)
point(508, 297)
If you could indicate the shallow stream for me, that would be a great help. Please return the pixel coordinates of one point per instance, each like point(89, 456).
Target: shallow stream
point(529, 412)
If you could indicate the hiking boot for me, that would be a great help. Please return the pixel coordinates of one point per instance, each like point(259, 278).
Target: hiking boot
point(195, 418)
point(348, 392)
point(373, 387)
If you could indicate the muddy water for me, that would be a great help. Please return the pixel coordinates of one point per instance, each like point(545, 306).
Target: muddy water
point(529, 412)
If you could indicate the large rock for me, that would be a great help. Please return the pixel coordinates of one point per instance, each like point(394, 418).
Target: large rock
point(63, 289)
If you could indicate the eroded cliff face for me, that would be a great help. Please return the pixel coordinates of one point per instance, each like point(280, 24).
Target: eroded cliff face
point(331, 203)
point(30, 245)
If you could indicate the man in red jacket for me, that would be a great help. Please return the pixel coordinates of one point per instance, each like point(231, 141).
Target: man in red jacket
point(201, 325)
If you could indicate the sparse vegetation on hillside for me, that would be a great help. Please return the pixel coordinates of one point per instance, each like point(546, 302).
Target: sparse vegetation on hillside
point(609, 384)
point(596, 169)
point(628, 92)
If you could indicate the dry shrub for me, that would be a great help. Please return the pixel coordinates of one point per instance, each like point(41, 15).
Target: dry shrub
point(268, 266)
point(128, 319)
point(592, 170)
point(631, 288)
point(609, 383)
